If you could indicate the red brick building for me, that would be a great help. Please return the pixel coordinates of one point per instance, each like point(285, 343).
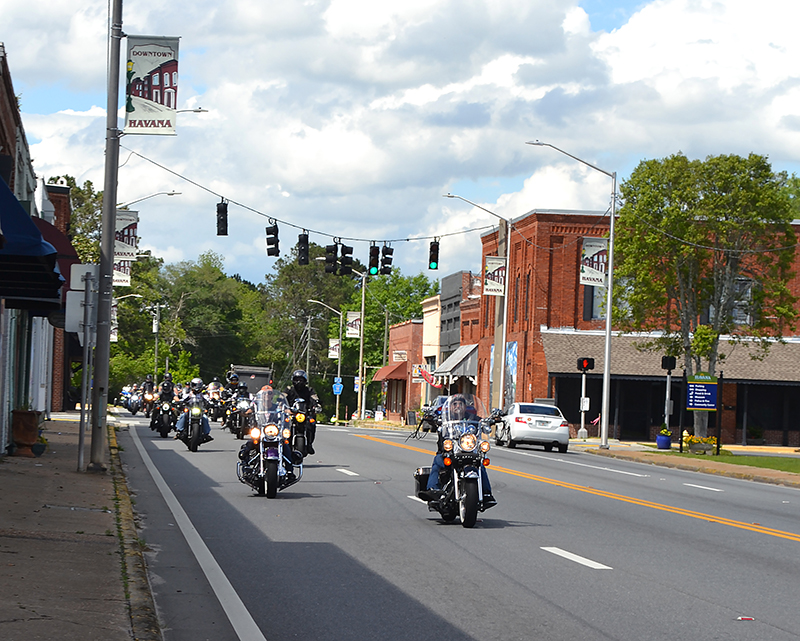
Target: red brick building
point(402, 381)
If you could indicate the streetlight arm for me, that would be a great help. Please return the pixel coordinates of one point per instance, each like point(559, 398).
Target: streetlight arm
point(488, 211)
point(319, 302)
point(160, 193)
point(539, 143)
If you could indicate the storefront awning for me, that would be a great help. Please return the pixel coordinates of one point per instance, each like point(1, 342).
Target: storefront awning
point(462, 362)
point(393, 372)
point(29, 277)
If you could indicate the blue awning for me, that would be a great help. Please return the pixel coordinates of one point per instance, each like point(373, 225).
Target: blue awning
point(29, 277)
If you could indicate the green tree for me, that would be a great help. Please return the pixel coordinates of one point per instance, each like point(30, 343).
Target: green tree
point(704, 251)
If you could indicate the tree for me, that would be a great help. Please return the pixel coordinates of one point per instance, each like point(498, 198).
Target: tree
point(704, 251)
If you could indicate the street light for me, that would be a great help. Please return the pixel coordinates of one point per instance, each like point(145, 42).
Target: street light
point(339, 367)
point(196, 110)
point(506, 226)
point(156, 311)
point(116, 298)
point(610, 282)
point(158, 193)
point(361, 377)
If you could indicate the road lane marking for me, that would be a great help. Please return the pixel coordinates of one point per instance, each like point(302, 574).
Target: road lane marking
point(703, 487)
point(578, 559)
point(348, 472)
point(238, 615)
point(753, 527)
point(416, 498)
point(337, 429)
point(594, 467)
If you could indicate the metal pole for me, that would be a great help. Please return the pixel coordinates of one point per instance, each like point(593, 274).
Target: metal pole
point(106, 279)
point(609, 303)
point(308, 347)
point(156, 327)
point(667, 400)
point(504, 333)
point(87, 335)
point(385, 335)
point(361, 381)
point(339, 366)
point(583, 395)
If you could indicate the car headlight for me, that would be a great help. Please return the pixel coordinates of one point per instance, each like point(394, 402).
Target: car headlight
point(196, 411)
point(447, 445)
point(468, 442)
point(271, 431)
point(485, 446)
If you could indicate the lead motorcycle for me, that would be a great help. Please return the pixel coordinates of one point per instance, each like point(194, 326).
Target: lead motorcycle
point(463, 427)
point(193, 434)
point(267, 462)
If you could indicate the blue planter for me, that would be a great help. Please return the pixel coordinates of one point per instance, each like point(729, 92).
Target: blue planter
point(663, 442)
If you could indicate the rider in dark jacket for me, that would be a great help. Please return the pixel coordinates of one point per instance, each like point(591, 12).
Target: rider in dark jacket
point(301, 389)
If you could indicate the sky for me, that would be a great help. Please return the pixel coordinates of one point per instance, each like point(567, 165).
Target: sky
point(352, 118)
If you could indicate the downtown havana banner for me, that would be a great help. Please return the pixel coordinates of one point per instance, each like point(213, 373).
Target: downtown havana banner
point(151, 85)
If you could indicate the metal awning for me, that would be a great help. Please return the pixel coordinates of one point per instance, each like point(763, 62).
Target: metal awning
point(462, 362)
point(393, 372)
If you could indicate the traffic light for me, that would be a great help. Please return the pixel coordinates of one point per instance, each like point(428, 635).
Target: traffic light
point(331, 254)
point(302, 249)
point(222, 219)
point(374, 258)
point(386, 259)
point(272, 240)
point(433, 255)
point(346, 261)
point(668, 362)
point(585, 364)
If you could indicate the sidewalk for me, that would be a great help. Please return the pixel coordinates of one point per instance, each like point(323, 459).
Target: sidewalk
point(62, 574)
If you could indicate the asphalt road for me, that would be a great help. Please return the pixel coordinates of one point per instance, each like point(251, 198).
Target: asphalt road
point(579, 547)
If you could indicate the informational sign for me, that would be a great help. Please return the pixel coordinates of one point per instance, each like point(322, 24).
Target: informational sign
point(353, 325)
point(337, 389)
point(594, 258)
point(151, 85)
point(334, 348)
point(356, 383)
point(416, 373)
point(337, 379)
point(701, 392)
point(494, 276)
point(399, 356)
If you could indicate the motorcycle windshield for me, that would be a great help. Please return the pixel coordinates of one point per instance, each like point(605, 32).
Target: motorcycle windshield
point(460, 408)
point(269, 407)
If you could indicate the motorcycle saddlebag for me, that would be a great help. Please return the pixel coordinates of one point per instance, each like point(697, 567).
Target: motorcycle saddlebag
point(421, 480)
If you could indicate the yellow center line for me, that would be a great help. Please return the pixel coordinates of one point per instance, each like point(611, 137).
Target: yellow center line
point(753, 527)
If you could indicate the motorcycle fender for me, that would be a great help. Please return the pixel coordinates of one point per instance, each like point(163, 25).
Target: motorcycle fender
point(470, 473)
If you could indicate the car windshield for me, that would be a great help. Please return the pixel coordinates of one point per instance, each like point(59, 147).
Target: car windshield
point(463, 407)
point(541, 410)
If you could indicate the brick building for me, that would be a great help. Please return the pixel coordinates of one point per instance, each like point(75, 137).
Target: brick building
point(403, 381)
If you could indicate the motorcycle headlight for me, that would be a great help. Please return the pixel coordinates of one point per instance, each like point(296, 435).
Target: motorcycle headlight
point(468, 442)
point(448, 445)
point(255, 434)
point(196, 411)
point(243, 405)
point(271, 431)
point(485, 446)
point(287, 432)
point(149, 397)
point(299, 417)
point(165, 406)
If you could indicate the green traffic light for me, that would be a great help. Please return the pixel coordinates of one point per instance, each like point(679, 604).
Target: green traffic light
point(433, 265)
point(373, 271)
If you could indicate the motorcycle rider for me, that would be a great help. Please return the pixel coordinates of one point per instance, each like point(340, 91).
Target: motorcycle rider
point(458, 410)
point(195, 391)
point(228, 393)
point(148, 387)
point(269, 405)
point(166, 394)
point(301, 389)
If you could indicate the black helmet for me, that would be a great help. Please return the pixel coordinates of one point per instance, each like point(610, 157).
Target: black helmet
point(233, 376)
point(215, 379)
point(149, 377)
point(299, 377)
point(167, 376)
point(242, 386)
point(196, 384)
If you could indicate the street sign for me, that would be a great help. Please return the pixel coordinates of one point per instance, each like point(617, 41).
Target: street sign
point(337, 389)
point(701, 392)
point(337, 379)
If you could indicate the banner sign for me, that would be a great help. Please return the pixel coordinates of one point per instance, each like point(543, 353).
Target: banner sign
point(594, 258)
point(334, 348)
point(125, 242)
point(701, 392)
point(353, 325)
point(494, 276)
point(430, 379)
point(152, 85)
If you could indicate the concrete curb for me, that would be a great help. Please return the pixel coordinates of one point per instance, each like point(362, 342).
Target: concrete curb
point(773, 477)
point(144, 619)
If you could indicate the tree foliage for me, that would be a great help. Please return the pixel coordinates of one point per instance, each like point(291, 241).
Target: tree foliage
point(704, 250)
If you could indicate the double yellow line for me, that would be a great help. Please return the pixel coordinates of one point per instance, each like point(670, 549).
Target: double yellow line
point(753, 527)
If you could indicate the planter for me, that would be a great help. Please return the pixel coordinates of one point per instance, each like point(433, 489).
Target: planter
point(663, 442)
point(701, 448)
point(24, 431)
point(38, 448)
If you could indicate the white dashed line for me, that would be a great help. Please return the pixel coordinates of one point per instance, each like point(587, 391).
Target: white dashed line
point(578, 559)
point(348, 472)
point(703, 487)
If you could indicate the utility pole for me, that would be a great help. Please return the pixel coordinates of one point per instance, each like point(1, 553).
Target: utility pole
point(308, 347)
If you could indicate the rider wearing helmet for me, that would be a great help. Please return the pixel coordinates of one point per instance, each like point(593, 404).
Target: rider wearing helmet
point(301, 389)
point(231, 388)
point(195, 391)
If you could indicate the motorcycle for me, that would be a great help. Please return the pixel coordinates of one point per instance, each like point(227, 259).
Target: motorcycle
point(267, 462)
point(135, 402)
point(149, 402)
point(164, 417)
point(238, 415)
point(463, 423)
point(215, 410)
point(192, 434)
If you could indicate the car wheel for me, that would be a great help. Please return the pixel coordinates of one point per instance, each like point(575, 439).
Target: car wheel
point(562, 448)
point(548, 447)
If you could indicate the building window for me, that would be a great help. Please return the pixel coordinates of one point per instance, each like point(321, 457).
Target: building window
point(166, 79)
point(174, 78)
point(156, 79)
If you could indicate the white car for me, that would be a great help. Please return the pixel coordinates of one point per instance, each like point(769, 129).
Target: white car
point(534, 424)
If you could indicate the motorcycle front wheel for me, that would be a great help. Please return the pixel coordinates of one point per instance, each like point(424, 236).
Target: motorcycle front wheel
point(468, 505)
point(272, 479)
point(196, 435)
